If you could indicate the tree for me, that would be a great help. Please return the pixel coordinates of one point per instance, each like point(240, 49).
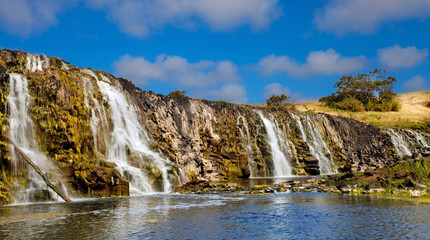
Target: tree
point(277, 100)
point(177, 93)
point(372, 89)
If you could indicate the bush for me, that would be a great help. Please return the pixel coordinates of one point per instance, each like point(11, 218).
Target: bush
point(383, 106)
point(177, 93)
point(395, 106)
point(350, 104)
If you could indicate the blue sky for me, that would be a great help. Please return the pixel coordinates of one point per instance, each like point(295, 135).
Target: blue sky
point(235, 50)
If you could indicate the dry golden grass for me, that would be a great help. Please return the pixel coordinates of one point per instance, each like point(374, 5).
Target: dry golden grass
point(414, 110)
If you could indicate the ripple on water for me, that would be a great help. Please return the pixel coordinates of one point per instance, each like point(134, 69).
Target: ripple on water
point(176, 216)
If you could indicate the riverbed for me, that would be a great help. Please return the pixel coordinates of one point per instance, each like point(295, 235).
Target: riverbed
point(220, 216)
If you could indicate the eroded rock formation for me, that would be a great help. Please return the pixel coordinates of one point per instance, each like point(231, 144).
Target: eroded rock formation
point(179, 139)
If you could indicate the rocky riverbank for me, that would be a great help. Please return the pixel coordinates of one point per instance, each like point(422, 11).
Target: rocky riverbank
point(409, 179)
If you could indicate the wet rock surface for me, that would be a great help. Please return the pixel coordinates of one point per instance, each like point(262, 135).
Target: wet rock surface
point(381, 181)
point(101, 182)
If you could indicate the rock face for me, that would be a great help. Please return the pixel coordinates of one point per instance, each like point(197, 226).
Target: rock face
point(363, 145)
point(180, 139)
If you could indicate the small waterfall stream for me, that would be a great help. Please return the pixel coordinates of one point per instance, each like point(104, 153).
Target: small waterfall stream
point(35, 62)
point(399, 144)
point(98, 120)
point(128, 136)
point(420, 139)
point(282, 167)
point(317, 146)
point(22, 133)
point(246, 141)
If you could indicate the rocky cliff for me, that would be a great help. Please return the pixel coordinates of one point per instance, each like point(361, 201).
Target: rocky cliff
point(109, 138)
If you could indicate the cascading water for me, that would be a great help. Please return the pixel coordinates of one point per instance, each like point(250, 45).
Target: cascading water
point(282, 167)
point(287, 147)
point(246, 141)
point(299, 123)
point(98, 121)
point(128, 136)
point(420, 139)
point(35, 62)
point(399, 144)
point(22, 133)
point(317, 146)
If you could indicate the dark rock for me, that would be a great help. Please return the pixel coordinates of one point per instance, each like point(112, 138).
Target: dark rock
point(101, 182)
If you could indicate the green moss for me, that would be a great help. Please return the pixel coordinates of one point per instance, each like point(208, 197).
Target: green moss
point(154, 174)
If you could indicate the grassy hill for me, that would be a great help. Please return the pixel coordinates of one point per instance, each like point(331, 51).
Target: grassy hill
point(414, 112)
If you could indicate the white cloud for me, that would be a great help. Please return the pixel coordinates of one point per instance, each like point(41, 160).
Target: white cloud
point(230, 92)
point(397, 57)
point(176, 70)
point(214, 80)
point(275, 89)
point(366, 16)
point(317, 63)
point(24, 17)
point(417, 83)
point(278, 89)
point(140, 18)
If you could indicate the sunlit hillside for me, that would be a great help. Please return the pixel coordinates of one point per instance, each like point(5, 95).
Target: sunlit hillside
point(415, 110)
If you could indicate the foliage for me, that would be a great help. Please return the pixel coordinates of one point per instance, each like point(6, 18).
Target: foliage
point(350, 104)
point(277, 100)
point(177, 93)
point(373, 90)
point(419, 168)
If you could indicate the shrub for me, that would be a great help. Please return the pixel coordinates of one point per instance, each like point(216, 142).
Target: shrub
point(350, 104)
point(177, 93)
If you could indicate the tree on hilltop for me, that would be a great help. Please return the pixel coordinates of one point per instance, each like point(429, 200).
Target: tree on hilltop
point(371, 91)
point(277, 100)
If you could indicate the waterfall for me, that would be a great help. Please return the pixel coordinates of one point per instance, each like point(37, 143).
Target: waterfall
point(128, 136)
point(181, 177)
point(22, 133)
point(399, 144)
point(299, 123)
point(281, 163)
point(98, 120)
point(420, 139)
point(35, 62)
point(246, 141)
point(317, 146)
point(286, 145)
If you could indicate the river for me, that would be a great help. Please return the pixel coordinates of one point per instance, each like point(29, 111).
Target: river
point(179, 216)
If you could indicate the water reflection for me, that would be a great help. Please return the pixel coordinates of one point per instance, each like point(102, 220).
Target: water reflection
point(175, 216)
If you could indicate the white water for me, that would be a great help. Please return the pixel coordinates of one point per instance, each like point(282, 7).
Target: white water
point(98, 121)
point(181, 177)
point(420, 139)
point(22, 133)
point(282, 167)
point(127, 133)
point(35, 62)
point(317, 146)
point(287, 147)
point(299, 123)
point(399, 144)
point(246, 141)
